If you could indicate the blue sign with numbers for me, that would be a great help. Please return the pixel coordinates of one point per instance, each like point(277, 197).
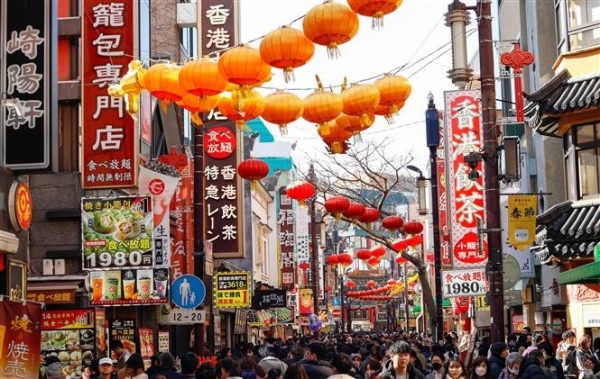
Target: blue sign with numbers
point(188, 292)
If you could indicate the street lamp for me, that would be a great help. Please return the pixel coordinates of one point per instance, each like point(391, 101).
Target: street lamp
point(432, 125)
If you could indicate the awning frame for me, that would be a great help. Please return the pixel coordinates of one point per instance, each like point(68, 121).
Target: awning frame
point(585, 274)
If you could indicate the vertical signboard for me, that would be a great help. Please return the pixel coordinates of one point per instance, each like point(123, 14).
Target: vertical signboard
point(109, 143)
point(466, 197)
point(443, 204)
point(285, 233)
point(24, 93)
point(218, 25)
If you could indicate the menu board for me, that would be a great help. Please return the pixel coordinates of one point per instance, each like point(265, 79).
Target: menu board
point(129, 287)
point(124, 331)
point(69, 336)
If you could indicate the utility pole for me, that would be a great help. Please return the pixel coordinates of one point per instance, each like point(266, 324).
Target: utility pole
point(492, 191)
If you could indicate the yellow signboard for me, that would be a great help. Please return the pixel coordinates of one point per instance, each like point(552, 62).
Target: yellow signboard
point(522, 211)
point(231, 289)
point(482, 303)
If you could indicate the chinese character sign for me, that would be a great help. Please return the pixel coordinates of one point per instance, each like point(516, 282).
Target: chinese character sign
point(522, 211)
point(20, 339)
point(117, 232)
point(465, 197)
point(231, 289)
point(109, 146)
point(219, 23)
point(286, 239)
point(25, 64)
point(461, 283)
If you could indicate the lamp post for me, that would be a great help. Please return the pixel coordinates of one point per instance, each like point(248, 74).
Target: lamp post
point(432, 125)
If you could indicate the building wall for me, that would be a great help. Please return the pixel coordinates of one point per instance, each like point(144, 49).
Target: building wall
point(165, 37)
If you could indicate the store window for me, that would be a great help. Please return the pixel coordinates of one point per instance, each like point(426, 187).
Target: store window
point(583, 159)
point(583, 23)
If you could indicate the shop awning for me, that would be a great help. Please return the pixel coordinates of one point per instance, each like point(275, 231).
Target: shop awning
point(53, 291)
point(587, 273)
point(446, 304)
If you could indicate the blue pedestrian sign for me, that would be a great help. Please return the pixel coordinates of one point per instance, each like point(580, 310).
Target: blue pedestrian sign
point(336, 302)
point(188, 292)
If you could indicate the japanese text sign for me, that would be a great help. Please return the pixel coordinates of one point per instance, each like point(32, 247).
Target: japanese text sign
point(25, 64)
point(218, 25)
point(223, 203)
point(117, 232)
point(463, 283)
point(286, 238)
point(20, 339)
point(522, 212)
point(52, 296)
point(68, 319)
point(124, 331)
point(269, 299)
point(109, 146)
point(466, 197)
point(231, 289)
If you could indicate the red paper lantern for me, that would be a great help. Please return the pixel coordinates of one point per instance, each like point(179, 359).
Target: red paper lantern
point(333, 260)
point(300, 191)
point(391, 282)
point(370, 215)
point(371, 284)
point(378, 251)
point(363, 254)
point(392, 223)
point(399, 245)
point(351, 284)
point(417, 240)
point(373, 261)
point(354, 211)
point(336, 205)
point(253, 169)
point(345, 260)
point(400, 259)
point(304, 266)
point(413, 227)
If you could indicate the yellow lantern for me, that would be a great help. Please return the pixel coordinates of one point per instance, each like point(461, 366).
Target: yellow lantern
point(330, 24)
point(162, 81)
point(286, 48)
point(202, 77)
point(388, 112)
point(334, 137)
point(196, 105)
point(281, 108)
point(393, 91)
point(355, 124)
point(375, 9)
point(243, 66)
point(322, 106)
point(241, 108)
point(361, 100)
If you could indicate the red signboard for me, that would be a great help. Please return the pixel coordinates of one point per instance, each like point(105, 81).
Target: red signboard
point(68, 319)
point(285, 223)
point(466, 197)
point(443, 210)
point(109, 148)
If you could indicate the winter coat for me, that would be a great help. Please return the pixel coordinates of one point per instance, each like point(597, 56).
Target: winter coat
point(269, 363)
point(497, 364)
point(249, 374)
point(317, 369)
point(531, 369)
point(389, 372)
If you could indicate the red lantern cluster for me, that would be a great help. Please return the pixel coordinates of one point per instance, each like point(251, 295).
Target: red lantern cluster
point(392, 223)
point(333, 260)
point(363, 254)
point(300, 191)
point(354, 211)
point(413, 227)
point(345, 259)
point(369, 215)
point(253, 169)
point(336, 205)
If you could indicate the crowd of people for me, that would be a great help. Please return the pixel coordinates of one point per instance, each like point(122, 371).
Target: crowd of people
point(369, 356)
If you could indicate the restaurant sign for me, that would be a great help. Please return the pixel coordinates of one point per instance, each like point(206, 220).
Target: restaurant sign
point(117, 232)
point(463, 283)
point(231, 289)
point(269, 299)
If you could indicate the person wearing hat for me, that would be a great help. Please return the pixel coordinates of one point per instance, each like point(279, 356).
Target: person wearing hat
point(105, 368)
point(498, 354)
point(513, 363)
point(356, 362)
point(54, 371)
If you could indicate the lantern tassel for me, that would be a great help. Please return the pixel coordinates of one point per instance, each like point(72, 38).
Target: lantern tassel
point(164, 104)
point(242, 126)
point(288, 74)
point(332, 51)
point(283, 129)
point(196, 119)
point(377, 21)
point(253, 185)
point(365, 120)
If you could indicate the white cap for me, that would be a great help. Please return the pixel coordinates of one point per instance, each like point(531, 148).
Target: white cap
point(105, 361)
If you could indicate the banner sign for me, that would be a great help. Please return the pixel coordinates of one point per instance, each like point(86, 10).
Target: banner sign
point(25, 64)
point(522, 212)
point(292, 302)
point(124, 331)
point(117, 232)
point(147, 347)
point(20, 339)
point(231, 289)
point(443, 210)
point(464, 283)
point(286, 238)
point(269, 299)
point(129, 287)
point(68, 319)
point(306, 301)
point(262, 318)
point(466, 196)
point(218, 28)
point(110, 135)
point(52, 296)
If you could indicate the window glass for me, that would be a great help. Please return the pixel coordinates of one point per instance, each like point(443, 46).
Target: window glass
point(587, 161)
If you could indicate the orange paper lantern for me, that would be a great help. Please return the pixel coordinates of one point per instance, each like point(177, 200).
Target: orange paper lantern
point(242, 107)
point(330, 24)
point(162, 81)
point(355, 124)
point(243, 66)
point(281, 108)
point(286, 48)
point(196, 105)
point(322, 106)
point(334, 136)
point(375, 9)
point(361, 100)
point(202, 77)
point(393, 92)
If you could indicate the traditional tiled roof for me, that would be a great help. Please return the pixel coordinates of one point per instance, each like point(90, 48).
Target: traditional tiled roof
point(568, 231)
point(561, 95)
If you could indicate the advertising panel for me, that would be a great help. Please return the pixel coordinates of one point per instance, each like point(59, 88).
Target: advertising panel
point(466, 197)
point(123, 330)
point(287, 240)
point(265, 299)
point(464, 283)
point(129, 287)
point(117, 233)
point(25, 64)
point(231, 289)
point(110, 135)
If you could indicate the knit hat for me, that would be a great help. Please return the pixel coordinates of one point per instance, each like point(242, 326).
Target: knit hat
point(497, 348)
point(513, 357)
point(54, 371)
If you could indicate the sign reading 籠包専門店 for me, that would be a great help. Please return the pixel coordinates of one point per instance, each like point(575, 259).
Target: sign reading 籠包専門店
point(24, 95)
point(109, 145)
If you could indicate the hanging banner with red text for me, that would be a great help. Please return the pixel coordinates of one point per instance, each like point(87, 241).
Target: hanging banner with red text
point(20, 339)
point(466, 197)
point(109, 141)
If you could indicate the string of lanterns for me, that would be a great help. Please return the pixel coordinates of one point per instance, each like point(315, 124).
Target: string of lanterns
point(228, 83)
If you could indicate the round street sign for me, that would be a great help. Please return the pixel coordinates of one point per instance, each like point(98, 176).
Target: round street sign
point(336, 312)
point(188, 292)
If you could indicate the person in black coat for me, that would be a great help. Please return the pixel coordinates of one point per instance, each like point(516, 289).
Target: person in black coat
point(533, 367)
point(499, 351)
point(315, 362)
point(553, 364)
